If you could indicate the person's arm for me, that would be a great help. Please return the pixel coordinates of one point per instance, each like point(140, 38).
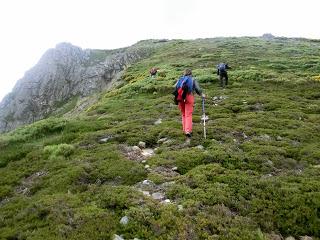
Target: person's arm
point(197, 88)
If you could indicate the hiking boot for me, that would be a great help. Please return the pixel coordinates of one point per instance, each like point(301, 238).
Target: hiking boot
point(188, 135)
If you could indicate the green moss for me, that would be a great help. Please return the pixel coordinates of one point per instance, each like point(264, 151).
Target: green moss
point(257, 173)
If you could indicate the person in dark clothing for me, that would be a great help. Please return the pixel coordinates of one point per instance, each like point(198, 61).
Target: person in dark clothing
point(222, 72)
point(153, 71)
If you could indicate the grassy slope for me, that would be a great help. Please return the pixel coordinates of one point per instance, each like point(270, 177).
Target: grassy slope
point(257, 175)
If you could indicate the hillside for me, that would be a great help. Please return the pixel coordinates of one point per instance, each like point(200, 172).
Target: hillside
point(66, 74)
point(256, 176)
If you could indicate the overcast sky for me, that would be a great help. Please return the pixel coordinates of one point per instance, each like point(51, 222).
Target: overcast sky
point(29, 27)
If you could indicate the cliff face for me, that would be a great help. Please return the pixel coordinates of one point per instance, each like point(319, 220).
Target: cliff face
point(62, 73)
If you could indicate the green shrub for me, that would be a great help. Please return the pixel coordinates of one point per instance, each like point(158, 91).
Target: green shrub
point(64, 150)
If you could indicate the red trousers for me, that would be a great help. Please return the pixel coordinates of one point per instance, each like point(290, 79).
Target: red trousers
point(186, 109)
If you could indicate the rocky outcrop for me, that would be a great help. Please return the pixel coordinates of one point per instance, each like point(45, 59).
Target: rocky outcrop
point(61, 74)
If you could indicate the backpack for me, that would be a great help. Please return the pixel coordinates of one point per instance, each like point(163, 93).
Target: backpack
point(181, 90)
point(222, 67)
point(153, 71)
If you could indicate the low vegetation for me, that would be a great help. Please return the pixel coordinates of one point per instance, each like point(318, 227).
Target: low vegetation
point(256, 176)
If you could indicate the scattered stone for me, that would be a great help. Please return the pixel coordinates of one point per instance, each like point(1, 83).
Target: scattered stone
point(162, 140)
point(136, 239)
point(124, 220)
point(266, 176)
point(269, 163)
point(200, 147)
point(168, 141)
point(148, 152)
point(117, 237)
point(166, 201)
point(28, 182)
point(41, 173)
point(273, 236)
point(279, 138)
point(265, 137)
point(258, 107)
point(159, 121)
point(147, 182)
point(105, 139)
point(306, 238)
point(180, 207)
point(157, 196)
point(142, 144)
point(187, 142)
point(144, 161)
point(165, 171)
point(4, 201)
point(136, 149)
point(23, 190)
point(146, 193)
point(290, 238)
point(167, 184)
point(174, 169)
point(295, 143)
point(147, 166)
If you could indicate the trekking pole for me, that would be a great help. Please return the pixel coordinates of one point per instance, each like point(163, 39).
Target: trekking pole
point(204, 118)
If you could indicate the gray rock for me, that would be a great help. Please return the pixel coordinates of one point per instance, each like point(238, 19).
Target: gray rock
point(162, 140)
point(142, 144)
point(147, 182)
point(306, 238)
point(269, 163)
point(290, 238)
point(279, 138)
point(105, 139)
point(148, 152)
point(169, 141)
point(265, 137)
point(159, 121)
point(146, 193)
point(61, 74)
point(136, 149)
point(157, 196)
point(166, 201)
point(174, 169)
point(124, 220)
point(117, 237)
point(147, 166)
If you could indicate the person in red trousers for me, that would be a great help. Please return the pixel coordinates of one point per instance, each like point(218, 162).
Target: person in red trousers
point(188, 85)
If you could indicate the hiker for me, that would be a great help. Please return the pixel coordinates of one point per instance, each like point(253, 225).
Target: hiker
point(222, 72)
point(153, 71)
point(185, 87)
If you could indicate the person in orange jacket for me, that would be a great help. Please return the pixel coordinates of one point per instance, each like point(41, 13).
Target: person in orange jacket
point(185, 88)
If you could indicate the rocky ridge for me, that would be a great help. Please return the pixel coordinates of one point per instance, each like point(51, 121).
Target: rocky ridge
point(63, 73)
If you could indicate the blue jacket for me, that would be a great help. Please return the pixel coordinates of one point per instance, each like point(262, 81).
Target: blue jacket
point(191, 83)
